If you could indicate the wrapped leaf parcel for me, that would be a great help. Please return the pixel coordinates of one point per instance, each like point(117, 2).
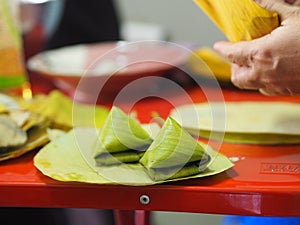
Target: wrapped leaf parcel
point(11, 133)
point(21, 132)
point(121, 139)
point(27, 124)
point(240, 20)
point(70, 158)
point(174, 153)
point(170, 155)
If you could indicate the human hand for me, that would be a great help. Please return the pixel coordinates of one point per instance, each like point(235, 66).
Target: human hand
point(271, 63)
point(293, 2)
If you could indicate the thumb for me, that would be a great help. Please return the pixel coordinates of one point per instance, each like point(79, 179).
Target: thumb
point(280, 6)
point(239, 53)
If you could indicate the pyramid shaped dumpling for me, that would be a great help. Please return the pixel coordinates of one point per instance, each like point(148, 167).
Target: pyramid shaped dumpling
point(121, 139)
point(174, 153)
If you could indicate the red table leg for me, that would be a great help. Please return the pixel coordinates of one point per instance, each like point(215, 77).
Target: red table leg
point(124, 217)
point(142, 217)
point(131, 217)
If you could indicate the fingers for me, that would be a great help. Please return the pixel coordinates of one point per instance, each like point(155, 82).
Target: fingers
point(276, 91)
point(242, 56)
point(282, 7)
point(244, 78)
point(233, 52)
point(257, 77)
point(247, 78)
point(240, 53)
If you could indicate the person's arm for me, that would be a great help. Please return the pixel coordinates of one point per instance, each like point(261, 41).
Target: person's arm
point(271, 63)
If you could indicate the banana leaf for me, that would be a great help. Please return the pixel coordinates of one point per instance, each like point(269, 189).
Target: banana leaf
point(174, 172)
point(129, 156)
point(70, 158)
point(208, 63)
point(37, 137)
point(120, 133)
point(22, 131)
point(3, 109)
point(240, 20)
point(11, 134)
point(24, 123)
point(172, 149)
point(242, 122)
point(64, 112)
point(247, 138)
point(19, 116)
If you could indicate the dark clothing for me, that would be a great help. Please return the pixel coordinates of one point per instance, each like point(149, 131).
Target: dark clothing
point(32, 216)
point(86, 22)
point(55, 216)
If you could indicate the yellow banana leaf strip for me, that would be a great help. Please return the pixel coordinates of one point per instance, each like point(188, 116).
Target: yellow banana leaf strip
point(208, 63)
point(240, 20)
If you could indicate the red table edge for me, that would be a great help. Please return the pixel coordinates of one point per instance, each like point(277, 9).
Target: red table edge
point(218, 201)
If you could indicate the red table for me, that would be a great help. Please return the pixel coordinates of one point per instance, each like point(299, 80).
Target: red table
point(265, 181)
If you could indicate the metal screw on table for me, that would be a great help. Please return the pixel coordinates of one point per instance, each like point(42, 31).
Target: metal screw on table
point(144, 199)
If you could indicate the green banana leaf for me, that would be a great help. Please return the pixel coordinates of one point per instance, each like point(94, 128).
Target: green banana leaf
point(171, 150)
point(64, 112)
point(70, 158)
point(129, 156)
point(120, 133)
point(174, 172)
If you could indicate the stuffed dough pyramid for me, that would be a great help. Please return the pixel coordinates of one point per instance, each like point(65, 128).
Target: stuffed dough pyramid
point(174, 153)
point(121, 140)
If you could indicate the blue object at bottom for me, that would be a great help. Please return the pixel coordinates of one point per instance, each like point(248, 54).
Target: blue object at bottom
point(258, 220)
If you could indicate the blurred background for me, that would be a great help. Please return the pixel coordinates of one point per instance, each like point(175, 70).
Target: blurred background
point(175, 21)
point(181, 21)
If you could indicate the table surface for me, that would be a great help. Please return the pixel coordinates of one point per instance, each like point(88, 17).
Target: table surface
point(264, 181)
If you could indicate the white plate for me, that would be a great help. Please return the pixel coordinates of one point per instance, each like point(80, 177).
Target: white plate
point(107, 67)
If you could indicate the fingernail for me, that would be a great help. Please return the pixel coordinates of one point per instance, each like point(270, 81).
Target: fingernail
point(290, 1)
point(217, 45)
point(258, 2)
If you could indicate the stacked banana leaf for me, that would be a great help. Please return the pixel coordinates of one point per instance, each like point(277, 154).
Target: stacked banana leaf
point(21, 132)
point(246, 122)
point(25, 125)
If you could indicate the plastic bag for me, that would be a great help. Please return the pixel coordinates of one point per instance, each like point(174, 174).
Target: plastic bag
point(12, 68)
